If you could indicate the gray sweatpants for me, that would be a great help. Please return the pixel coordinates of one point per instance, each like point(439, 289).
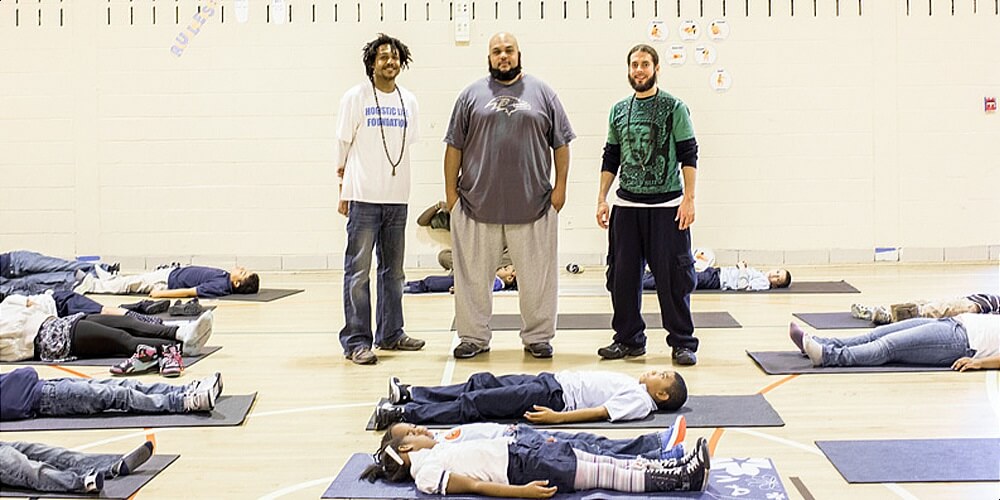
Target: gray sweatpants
point(478, 247)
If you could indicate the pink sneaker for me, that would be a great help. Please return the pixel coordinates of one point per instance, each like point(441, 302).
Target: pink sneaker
point(171, 363)
point(144, 360)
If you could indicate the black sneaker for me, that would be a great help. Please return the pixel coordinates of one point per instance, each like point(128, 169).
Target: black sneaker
point(467, 350)
point(147, 306)
point(684, 356)
point(539, 350)
point(405, 343)
point(386, 414)
point(399, 393)
point(692, 476)
point(617, 350)
point(190, 308)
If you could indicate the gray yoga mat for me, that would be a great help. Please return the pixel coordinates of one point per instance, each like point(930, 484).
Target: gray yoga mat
point(915, 460)
point(602, 321)
point(833, 321)
point(263, 295)
point(165, 315)
point(118, 488)
point(188, 360)
point(801, 287)
point(700, 411)
point(229, 411)
point(793, 362)
point(757, 477)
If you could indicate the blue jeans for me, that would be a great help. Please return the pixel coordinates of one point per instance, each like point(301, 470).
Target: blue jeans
point(73, 396)
point(381, 227)
point(48, 468)
point(31, 273)
point(919, 341)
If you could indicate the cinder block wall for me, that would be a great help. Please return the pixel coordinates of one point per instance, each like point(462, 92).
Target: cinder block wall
point(849, 124)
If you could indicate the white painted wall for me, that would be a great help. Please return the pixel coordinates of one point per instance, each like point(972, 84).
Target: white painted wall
point(841, 132)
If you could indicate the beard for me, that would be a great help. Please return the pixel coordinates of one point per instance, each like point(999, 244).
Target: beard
point(505, 76)
point(644, 86)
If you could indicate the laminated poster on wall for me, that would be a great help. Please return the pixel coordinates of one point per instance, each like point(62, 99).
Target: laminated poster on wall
point(705, 54)
point(278, 11)
point(242, 10)
point(689, 30)
point(657, 31)
point(677, 55)
point(718, 30)
point(721, 80)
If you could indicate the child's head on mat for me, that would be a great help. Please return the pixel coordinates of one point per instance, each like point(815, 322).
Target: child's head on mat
point(666, 387)
point(779, 278)
point(401, 429)
point(244, 281)
point(392, 460)
point(508, 275)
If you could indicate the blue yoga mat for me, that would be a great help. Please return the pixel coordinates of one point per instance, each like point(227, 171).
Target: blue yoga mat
point(915, 460)
point(749, 478)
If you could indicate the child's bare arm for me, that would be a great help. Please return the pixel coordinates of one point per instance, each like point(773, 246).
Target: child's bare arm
point(177, 293)
point(544, 415)
point(458, 483)
point(963, 364)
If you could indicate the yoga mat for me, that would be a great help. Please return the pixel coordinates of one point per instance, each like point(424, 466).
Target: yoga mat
point(800, 287)
point(700, 411)
point(118, 488)
point(229, 411)
point(188, 360)
point(754, 478)
point(263, 295)
point(165, 315)
point(793, 362)
point(575, 321)
point(833, 321)
point(915, 460)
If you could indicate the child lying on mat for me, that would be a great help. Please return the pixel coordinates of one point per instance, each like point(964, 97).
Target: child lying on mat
point(506, 279)
point(23, 395)
point(546, 398)
point(513, 467)
point(738, 277)
point(662, 445)
point(176, 282)
point(982, 303)
point(41, 467)
point(965, 342)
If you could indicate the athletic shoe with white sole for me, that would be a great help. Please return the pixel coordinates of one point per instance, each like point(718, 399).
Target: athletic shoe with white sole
point(195, 334)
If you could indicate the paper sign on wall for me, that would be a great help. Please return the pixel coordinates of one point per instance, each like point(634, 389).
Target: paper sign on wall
point(718, 30)
point(689, 30)
point(677, 55)
point(705, 54)
point(720, 80)
point(657, 31)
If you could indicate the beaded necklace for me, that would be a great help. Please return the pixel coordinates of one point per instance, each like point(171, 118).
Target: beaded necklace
point(406, 122)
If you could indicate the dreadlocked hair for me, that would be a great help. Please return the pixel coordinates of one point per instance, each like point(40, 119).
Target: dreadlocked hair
point(370, 50)
point(385, 466)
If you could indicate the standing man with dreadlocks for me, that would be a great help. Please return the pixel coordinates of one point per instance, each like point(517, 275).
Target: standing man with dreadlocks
point(376, 127)
point(651, 144)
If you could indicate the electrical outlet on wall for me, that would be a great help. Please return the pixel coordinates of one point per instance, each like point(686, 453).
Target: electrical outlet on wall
point(463, 21)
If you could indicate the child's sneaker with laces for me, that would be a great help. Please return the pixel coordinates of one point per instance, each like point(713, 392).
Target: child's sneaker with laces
point(199, 400)
point(171, 362)
point(145, 359)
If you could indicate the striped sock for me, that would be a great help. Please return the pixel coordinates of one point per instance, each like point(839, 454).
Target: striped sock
point(596, 471)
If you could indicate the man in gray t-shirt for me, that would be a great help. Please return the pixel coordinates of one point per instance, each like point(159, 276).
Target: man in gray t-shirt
point(506, 131)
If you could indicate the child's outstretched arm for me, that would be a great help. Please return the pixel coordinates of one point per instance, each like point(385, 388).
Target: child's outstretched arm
point(458, 483)
point(963, 364)
point(544, 415)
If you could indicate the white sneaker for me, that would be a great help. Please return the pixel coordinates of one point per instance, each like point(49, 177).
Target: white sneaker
point(86, 284)
point(813, 349)
point(195, 334)
point(199, 400)
point(213, 383)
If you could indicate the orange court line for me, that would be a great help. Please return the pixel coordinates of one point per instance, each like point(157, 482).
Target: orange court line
point(71, 372)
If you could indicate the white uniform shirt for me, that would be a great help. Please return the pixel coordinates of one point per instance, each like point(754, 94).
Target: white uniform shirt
point(623, 396)
point(483, 460)
point(368, 171)
point(984, 333)
point(473, 432)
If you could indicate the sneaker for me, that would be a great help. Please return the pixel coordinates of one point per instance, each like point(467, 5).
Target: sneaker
point(213, 383)
point(902, 312)
point(171, 362)
point(466, 350)
point(363, 356)
point(684, 356)
point(86, 285)
point(692, 476)
point(147, 306)
point(93, 483)
point(881, 316)
point(386, 414)
point(617, 350)
point(698, 468)
point(861, 311)
point(676, 434)
point(145, 359)
point(540, 350)
point(399, 393)
point(405, 343)
point(195, 334)
point(813, 349)
point(795, 333)
point(199, 400)
point(189, 308)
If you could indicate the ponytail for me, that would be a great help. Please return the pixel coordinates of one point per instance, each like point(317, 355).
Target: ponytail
point(389, 464)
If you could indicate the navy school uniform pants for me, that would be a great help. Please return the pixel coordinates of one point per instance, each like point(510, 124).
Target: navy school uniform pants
point(483, 397)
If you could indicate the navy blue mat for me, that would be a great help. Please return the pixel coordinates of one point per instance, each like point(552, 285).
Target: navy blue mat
point(700, 411)
point(833, 321)
point(753, 478)
point(915, 460)
point(118, 488)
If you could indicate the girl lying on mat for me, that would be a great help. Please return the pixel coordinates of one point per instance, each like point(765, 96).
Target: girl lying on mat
point(964, 342)
point(514, 467)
